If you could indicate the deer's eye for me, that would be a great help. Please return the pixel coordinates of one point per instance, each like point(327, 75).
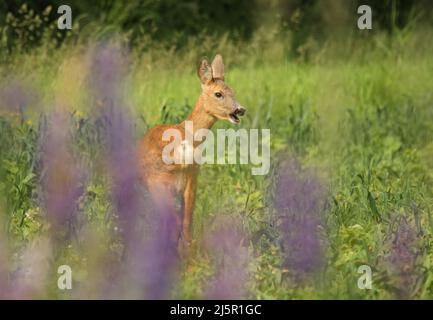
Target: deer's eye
point(218, 94)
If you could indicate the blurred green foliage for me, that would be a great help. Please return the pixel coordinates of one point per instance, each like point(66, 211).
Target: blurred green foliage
point(356, 106)
point(25, 23)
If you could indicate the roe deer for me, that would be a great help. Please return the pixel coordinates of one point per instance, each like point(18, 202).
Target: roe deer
point(217, 101)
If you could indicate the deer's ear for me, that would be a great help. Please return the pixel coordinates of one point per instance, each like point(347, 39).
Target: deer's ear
point(204, 71)
point(218, 67)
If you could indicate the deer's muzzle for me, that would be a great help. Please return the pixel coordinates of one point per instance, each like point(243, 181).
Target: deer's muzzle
point(240, 111)
point(234, 116)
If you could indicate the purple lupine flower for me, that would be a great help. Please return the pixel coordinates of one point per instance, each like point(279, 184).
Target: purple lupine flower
point(62, 178)
point(151, 260)
point(108, 69)
point(299, 201)
point(14, 96)
point(4, 265)
point(155, 260)
point(228, 245)
point(401, 260)
point(123, 168)
point(107, 73)
point(30, 278)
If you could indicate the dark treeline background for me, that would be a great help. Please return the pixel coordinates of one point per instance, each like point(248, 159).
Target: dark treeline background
point(173, 22)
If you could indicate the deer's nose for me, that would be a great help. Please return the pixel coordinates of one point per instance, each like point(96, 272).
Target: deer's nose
point(240, 111)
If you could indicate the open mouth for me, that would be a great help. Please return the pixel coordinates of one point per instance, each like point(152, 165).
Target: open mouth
point(234, 116)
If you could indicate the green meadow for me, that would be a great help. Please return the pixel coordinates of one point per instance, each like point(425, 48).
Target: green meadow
point(357, 110)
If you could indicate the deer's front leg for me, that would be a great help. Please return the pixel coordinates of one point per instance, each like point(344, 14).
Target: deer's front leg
point(189, 199)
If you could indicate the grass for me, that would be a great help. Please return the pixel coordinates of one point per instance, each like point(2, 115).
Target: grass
point(359, 113)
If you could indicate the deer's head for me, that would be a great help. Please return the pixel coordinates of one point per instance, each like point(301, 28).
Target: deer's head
point(219, 99)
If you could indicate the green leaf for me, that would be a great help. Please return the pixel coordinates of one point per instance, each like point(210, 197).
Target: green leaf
point(373, 207)
point(29, 177)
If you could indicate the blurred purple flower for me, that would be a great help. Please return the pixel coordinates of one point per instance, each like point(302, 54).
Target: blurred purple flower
point(14, 96)
point(107, 73)
point(152, 258)
point(4, 265)
point(228, 246)
point(299, 201)
point(401, 261)
point(123, 168)
point(108, 69)
point(62, 178)
point(29, 280)
point(155, 260)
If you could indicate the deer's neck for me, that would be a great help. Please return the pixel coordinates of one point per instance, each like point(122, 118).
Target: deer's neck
point(199, 117)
